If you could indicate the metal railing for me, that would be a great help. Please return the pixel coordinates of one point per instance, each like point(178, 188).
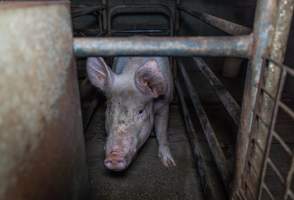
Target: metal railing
point(268, 37)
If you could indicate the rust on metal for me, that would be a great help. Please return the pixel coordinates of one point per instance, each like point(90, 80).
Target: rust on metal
point(238, 46)
point(219, 23)
point(274, 80)
point(41, 140)
point(265, 16)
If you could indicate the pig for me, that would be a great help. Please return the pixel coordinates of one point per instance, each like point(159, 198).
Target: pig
point(138, 92)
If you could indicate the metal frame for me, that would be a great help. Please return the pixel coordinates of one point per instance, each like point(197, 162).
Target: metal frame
point(265, 47)
point(141, 9)
point(269, 37)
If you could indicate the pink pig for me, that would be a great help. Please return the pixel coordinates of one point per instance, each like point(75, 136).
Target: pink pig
point(138, 91)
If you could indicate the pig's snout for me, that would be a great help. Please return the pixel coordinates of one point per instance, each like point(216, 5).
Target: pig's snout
point(115, 162)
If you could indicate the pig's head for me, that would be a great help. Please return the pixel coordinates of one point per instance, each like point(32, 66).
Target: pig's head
point(129, 113)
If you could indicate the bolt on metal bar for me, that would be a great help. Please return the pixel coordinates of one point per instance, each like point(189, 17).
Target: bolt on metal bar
point(224, 95)
point(239, 46)
point(207, 174)
point(219, 23)
point(214, 145)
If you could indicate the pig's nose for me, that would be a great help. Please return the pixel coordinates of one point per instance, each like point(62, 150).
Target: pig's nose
point(115, 164)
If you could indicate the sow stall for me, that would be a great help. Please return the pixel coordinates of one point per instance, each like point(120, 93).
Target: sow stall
point(42, 140)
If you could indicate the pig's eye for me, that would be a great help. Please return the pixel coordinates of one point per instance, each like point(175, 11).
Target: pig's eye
point(141, 111)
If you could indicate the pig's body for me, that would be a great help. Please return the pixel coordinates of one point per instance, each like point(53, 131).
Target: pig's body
point(138, 96)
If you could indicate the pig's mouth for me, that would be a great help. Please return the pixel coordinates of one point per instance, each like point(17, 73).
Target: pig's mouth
point(115, 161)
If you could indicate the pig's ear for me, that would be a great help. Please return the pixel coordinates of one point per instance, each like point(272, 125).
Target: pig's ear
point(100, 75)
point(150, 80)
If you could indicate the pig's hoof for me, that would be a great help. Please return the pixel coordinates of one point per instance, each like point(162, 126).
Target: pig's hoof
point(166, 157)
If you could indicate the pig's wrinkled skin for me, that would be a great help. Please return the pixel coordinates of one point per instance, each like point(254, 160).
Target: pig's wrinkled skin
point(138, 92)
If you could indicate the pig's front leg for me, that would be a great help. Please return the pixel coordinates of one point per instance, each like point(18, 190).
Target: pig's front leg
point(161, 122)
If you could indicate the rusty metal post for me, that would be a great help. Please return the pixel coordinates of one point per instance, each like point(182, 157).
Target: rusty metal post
point(239, 46)
point(42, 153)
point(273, 76)
point(265, 17)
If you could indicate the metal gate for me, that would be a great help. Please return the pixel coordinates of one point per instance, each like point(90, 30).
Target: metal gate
point(265, 47)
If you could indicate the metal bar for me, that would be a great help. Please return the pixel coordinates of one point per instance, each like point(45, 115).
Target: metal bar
point(280, 65)
point(209, 133)
point(224, 95)
point(291, 194)
point(210, 182)
point(265, 16)
point(238, 46)
point(275, 76)
point(143, 9)
point(275, 169)
point(282, 143)
point(268, 191)
point(289, 178)
point(219, 23)
point(269, 137)
point(286, 109)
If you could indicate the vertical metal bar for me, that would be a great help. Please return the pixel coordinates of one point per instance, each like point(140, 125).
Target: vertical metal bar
point(273, 82)
point(272, 127)
point(104, 14)
point(211, 185)
point(265, 16)
point(209, 133)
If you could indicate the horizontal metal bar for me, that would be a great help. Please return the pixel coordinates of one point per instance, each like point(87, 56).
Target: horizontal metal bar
point(282, 66)
point(209, 179)
point(209, 133)
point(219, 23)
point(238, 46)
point(224, 95)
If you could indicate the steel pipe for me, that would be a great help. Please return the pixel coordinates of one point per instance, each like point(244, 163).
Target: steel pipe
point(265, 18)
point(238, 46)
point(219, 23)
point(273, 83)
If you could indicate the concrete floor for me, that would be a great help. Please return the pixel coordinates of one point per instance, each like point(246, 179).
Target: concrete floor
point(147, 178)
